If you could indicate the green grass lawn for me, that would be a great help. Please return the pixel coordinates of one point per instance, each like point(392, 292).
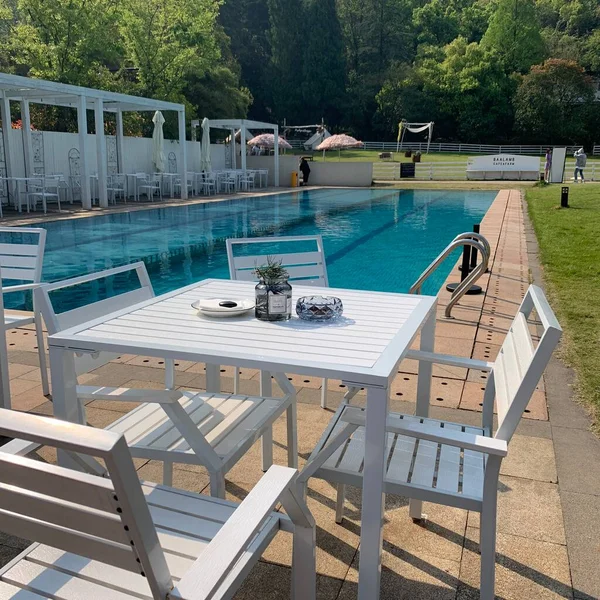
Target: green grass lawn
point(569, 242)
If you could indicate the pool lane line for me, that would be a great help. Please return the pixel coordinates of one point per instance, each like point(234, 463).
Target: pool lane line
point(202, 218)
point(332, 258)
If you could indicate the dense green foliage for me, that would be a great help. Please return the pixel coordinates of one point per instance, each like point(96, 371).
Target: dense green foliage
point(483, 70)
point(468, 65)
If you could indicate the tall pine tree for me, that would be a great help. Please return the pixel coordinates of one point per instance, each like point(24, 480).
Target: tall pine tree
point(285, 77)
point(324, 69)
point(514, 33)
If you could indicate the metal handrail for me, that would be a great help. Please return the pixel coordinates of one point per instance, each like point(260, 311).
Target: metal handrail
point(474, 240)
point(471, 235)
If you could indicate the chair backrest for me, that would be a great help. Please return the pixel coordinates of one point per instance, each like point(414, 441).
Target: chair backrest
point(22, 261)
point(306, 268)
point(520, 362)
point(101, 518)
point(56, 322)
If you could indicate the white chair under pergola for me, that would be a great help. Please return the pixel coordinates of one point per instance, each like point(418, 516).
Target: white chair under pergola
point(26, 91)
point(243, 126)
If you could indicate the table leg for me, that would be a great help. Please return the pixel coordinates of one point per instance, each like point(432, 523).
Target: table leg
point(4, 372)
point(373, 497)
point(266, 389)
point(425, 368)
point(64, 393)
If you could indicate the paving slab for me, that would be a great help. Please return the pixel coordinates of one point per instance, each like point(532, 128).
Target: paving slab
point(582, 526)
point(577, 460)
point(526, 569)
point(528, 509)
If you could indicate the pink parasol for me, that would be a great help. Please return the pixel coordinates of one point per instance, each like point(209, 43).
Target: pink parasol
point(339, 142)
point(267, 140)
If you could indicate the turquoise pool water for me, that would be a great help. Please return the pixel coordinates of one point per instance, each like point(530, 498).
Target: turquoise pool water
point(373, 238)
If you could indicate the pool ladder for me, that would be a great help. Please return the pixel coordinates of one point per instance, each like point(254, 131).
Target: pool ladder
point(475, 240)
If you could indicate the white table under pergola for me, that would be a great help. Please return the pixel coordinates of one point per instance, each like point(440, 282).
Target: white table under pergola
point(243, 126)
point(26, 90)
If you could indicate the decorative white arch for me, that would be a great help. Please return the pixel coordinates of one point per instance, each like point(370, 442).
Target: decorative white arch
point(404, 126)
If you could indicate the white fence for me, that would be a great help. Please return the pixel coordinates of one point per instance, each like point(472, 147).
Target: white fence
point(460, 148)
point(457, 170)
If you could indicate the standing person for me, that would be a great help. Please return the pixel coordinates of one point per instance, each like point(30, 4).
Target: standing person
point(580, 162)
point(548, 165)
point(305, 170)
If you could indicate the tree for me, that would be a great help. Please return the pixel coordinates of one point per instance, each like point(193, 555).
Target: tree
point(514, 34)
point(323, 69)
point(285, 70)
point(66, 41)
point(246, 22)
point(554, 103)
point(462, 88)
point(167, 41)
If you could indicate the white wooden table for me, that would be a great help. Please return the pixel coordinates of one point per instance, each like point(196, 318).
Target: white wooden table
point(362, 349)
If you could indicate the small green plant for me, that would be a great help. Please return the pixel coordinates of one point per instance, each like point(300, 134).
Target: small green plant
point(272, 271)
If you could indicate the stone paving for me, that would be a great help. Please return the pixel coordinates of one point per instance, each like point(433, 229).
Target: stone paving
point(548, 532)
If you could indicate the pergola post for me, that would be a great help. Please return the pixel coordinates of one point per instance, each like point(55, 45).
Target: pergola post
point(27, 145)
point(233, 152)
point(120, 145)
point(6, 129)
point(276, 159)
point(101, 153)
point(183, 161)
point(84, 175)
point(243, 145)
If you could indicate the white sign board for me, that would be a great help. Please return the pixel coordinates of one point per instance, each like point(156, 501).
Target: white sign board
point(559, 157)
point(503, 166)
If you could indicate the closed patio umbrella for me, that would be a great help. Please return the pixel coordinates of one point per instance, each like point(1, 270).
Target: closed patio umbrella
point(158, 142)
point(205, 147)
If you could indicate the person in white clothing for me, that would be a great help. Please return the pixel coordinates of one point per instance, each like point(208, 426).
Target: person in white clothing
point(580, 162)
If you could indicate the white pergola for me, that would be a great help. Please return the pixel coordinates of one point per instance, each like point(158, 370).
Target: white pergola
point(39, 91)
point(243, 125)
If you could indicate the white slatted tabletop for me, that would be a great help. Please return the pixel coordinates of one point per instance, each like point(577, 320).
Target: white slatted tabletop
point(365, 345)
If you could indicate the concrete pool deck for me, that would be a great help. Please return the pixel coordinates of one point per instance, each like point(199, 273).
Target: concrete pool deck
point(549, 496)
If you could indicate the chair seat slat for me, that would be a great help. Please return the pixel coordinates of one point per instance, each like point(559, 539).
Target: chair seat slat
point(51, 583)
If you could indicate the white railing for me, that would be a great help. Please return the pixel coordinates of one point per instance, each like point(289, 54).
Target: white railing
point(460, 148)
point(423, 171)
point(457, 170)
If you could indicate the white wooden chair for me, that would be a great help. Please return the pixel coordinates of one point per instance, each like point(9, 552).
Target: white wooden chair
point(151, 186)
point(47, 189)
point(23, 262)
point(440, 461)
point(207, 428)
point(116, 188)
point(110, 537)
point(305, 268)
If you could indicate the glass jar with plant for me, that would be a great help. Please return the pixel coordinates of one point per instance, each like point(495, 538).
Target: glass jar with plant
point(273, 292)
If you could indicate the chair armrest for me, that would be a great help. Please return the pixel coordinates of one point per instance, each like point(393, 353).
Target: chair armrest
point(205, 576)
point(92, 392)
point(460, 439)
point(19, 447)
point(21, 287)
point(453, 361)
